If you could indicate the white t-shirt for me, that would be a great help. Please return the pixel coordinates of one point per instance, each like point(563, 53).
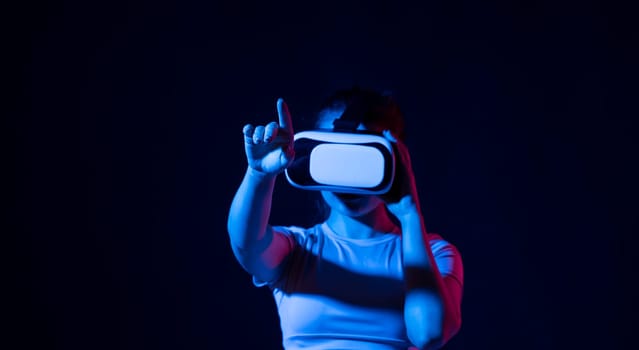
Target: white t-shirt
point(342, 293)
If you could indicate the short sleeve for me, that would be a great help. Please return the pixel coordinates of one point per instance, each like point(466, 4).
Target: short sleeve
point(447, 258)
point(294, 235)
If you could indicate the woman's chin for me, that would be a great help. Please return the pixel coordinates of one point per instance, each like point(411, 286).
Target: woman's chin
point(348, 197)
point(350, 204)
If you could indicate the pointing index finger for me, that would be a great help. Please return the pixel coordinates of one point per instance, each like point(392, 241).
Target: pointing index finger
point(284, 115)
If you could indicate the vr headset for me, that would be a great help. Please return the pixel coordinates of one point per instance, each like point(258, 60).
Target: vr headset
point(343, 159)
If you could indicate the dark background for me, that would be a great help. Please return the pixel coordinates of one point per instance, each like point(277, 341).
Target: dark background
point(125, 149)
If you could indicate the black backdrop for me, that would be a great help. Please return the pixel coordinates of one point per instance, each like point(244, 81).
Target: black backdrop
point(125, 149)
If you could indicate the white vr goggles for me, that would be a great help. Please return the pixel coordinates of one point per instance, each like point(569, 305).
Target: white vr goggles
point(347, 162)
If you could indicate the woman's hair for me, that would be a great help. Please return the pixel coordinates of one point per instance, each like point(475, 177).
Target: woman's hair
point(380, 110)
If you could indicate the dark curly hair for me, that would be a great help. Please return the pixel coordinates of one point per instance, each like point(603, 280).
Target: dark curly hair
point(379, 110)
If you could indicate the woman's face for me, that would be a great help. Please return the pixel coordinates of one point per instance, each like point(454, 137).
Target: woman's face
point(345, 203)
point(351, 204)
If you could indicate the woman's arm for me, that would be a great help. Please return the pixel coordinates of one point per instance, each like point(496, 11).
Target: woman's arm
point(269, 151)
point(432, 309)
point(432, 302)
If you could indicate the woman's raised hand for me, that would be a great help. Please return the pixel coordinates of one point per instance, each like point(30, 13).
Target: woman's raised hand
point(269, 148)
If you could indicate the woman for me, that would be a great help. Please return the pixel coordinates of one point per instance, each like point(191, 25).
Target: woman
point(368, 276)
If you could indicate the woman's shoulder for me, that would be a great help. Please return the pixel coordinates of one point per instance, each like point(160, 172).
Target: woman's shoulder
point(296, 229)
point(300, 233)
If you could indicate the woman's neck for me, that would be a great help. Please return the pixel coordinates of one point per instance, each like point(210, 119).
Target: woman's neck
point(374, 223)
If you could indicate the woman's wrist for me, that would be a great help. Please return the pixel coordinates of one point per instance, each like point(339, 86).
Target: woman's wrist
point(259, 175)
point(405, 209)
